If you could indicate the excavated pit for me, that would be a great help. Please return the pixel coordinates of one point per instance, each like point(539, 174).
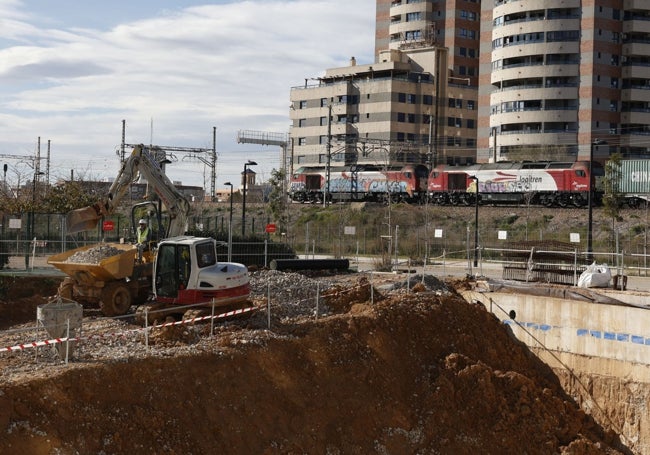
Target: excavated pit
point(349, 364)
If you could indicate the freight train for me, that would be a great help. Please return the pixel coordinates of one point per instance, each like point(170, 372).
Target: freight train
point(547, 183)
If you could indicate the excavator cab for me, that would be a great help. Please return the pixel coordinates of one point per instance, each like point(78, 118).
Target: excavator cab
point(173, 268)
point(149, 211)
point(186, 271)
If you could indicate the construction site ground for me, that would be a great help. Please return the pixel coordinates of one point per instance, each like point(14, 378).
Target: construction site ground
point(334, 364)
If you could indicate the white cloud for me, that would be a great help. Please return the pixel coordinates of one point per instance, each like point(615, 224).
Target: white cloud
point(229, 65)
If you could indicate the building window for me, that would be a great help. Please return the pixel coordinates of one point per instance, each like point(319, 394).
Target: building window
point(302, 141)
point(411, 118)
point(342, 118)
point(323, 121)
point(401, 117)
point(470, 123)
point(303, 104)
point(400, 137)
point(413, 35)
point(470, 105)
point(302, 122)
point(411, 99)
point(322, 139)
point(427, 99)
point(410, 17)
point(401, 97)
point(323, 102)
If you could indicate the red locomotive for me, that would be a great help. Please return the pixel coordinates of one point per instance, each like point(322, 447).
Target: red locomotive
point(537, 183)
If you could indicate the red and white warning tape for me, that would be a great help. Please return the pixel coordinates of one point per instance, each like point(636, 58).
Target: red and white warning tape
point(203, 318)
point(53, 341)
point(36, 344)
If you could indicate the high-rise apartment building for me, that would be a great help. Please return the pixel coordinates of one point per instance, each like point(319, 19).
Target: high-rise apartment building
point(415, 103)
point(558, 77)
point(455, 26)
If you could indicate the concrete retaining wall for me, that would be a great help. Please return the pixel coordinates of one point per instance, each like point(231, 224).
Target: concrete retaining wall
point(598, 331)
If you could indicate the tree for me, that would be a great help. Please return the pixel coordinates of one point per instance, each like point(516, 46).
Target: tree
point(70, 196)
point(612, 196)
point(277, 206)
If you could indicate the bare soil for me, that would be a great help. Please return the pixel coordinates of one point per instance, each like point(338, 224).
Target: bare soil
point(406, 372)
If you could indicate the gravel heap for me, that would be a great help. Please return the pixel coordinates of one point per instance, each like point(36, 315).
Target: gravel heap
point(293, 295)
point(427, 282)
point(94, 255)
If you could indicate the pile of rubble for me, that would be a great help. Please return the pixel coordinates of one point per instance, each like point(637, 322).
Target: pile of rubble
point(94, 255)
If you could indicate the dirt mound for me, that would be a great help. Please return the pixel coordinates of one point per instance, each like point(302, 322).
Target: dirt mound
point(411, 373)
point(19, 297)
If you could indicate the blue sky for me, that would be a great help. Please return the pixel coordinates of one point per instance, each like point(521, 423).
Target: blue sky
point(71, 71)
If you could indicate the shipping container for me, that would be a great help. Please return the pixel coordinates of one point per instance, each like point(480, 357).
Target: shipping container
point(635, 177)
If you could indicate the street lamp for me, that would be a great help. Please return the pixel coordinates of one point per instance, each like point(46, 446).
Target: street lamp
point(230, 225)
point(475, 222)
point(243, 203)
point(590, 202)
point(30, 226)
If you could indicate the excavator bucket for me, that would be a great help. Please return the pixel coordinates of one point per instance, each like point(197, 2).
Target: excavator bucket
point(82, 219)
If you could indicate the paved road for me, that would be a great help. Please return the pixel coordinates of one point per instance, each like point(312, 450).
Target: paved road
point(461, 268)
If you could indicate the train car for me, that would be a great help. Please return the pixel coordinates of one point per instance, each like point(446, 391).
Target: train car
point(359, 183)
point(537, 183)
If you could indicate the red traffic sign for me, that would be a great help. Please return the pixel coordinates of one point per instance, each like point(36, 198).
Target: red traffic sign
point(270, 228)
point(108, 225)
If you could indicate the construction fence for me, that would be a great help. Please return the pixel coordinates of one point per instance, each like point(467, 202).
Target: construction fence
point(405, 244)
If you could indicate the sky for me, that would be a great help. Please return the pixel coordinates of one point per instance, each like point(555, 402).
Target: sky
point(71, 71)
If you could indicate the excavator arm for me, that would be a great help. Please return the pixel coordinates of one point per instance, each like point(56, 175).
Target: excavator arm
point(141, 161)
